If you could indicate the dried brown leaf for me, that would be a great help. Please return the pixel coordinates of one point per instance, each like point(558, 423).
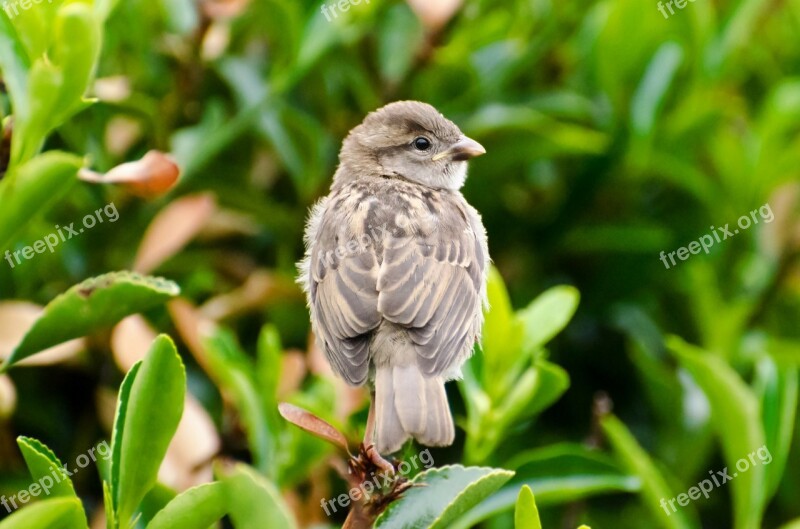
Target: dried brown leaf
point(189, 456)
point(152, 176)
point(216, 9)
point(293, 372)
point(312, 424)
point(130, 341)
point(193, 328)
point(172, 229)
point(8, 397)
point(122, 132)
point(260, 289)
point(113, 89)
point(434, 14)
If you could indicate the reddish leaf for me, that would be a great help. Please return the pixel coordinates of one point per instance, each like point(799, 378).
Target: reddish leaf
point(172, 229)
point(312, 424)
point(153, 175)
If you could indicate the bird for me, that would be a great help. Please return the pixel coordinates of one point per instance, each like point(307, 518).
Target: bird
point(395, 270)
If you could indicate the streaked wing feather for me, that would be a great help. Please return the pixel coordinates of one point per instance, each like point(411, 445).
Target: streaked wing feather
point(343, 298)
point(433, 284)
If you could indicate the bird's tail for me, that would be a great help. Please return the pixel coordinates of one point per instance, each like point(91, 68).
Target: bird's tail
point(408, 404)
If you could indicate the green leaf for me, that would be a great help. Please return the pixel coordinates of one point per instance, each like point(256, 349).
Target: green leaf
point(95, 303)
point(34, 27)
point(794, 524)
point(548, 314)
point(521, 121)
point(195, 508)
point(269, 364)
point(31, 190)
point(526, 515)
point(77, 39)
point(43, 463)
point(447, 494)
point(14, 64)
point(253, 502)
point(151, 417)
point(104, 8)
point(560, 473)
point(654, 486)
point(536, 389)
point(736, 33)
point(108, 505)
point(777, 390)
point(401, 37)
point(116, 435)
point(57, 79)
point(56, 513)
point(154, 501)
point(736, 416)
point(502, 340)
point(233, 372)
point(650, 94)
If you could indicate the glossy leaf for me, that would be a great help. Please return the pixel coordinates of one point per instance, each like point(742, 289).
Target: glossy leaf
point(198, 507)
point(313, 424)
point(447, 494)
point(548, 314)
point(234, 373)
point(95, 303)
point(777, 389)
point(253, 502)
point(734, 408)
point(32, 189)
point(56, 513)
point(654, 485)
point(557, 474)
point(42, 462)
point(526, 515)
point(154, 407)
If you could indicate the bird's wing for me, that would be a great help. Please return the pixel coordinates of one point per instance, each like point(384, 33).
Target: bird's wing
point(433, 284)
point(340, 272)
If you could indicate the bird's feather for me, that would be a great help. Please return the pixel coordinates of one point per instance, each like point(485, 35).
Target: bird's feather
point(423, 271)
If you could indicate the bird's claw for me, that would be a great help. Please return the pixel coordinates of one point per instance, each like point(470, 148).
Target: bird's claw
point(379, 461)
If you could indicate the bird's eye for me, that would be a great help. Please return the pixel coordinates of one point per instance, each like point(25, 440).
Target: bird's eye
point(421, 143)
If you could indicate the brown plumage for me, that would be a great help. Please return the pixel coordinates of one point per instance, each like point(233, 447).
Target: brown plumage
point(395, 269)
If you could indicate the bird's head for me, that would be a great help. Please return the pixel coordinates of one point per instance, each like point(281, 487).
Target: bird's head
point(410, 140)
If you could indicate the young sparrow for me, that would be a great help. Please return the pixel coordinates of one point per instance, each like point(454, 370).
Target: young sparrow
point(395, 270)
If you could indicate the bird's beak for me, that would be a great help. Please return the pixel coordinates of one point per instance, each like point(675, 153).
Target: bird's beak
point(462, 150)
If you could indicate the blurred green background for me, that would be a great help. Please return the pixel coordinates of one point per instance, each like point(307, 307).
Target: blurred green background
point(613, 133)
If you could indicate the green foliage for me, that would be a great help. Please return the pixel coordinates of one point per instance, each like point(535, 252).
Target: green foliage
point(41, 461)
point(526, 514)
point(444, 495)
point(146, 421)
point(42, 181)
point(56, 513)
point(199, 506)
point(512, 381)
point(96, 302)
point(254, 502)
point(613, 133)
point(654, 485)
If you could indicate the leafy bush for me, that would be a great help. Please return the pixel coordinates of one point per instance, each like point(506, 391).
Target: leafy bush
point(620, 142)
